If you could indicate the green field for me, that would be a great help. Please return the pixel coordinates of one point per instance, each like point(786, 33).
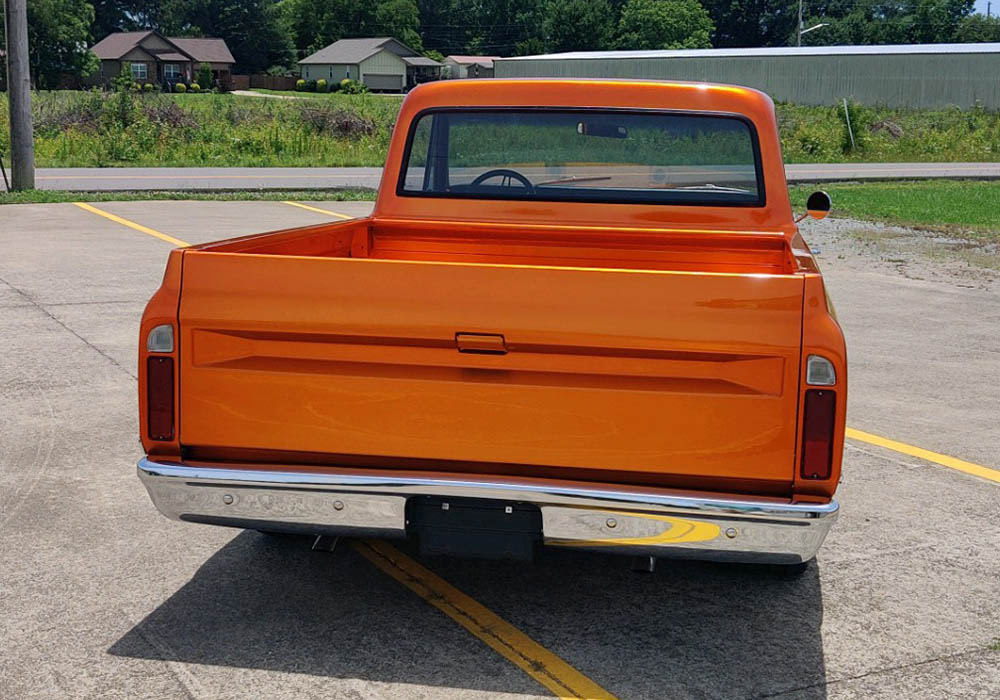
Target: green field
point(962, 207)
point(80, 129)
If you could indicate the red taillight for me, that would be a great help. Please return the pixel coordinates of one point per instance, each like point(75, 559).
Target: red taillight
point(160, 397)
point(817, 433)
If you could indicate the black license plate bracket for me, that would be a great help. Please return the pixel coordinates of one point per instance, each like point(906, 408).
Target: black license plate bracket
point(475, 528)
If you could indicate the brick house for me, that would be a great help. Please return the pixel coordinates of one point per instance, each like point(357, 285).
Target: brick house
point(154, 58)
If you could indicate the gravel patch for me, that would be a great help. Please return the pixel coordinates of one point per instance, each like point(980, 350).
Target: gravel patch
point(916, 254)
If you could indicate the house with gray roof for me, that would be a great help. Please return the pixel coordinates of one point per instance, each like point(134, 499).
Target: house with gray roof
point(469, 66)
point(382, 63)
point(151, 57)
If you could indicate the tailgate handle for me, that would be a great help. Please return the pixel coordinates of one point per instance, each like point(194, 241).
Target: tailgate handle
point(481, 343)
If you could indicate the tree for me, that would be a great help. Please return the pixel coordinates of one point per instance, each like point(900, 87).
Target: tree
point(750, 23)
point(481, 26)
point(577, 25)
point(664, 24)
point(975, 28)
point(124, 16)
point(314, 24)
point(58, 37)
point(399, 19)
point(205, 75)
point(437, 26)
point(253, 29)
point(886, 21)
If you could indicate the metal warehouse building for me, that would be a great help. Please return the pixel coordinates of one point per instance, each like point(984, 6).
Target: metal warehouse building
point(916, 75)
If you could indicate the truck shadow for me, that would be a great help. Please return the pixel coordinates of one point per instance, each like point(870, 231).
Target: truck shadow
point(688, 630)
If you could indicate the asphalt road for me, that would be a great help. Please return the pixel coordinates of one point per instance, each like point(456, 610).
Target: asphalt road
point(87, 179)
point(103, 597)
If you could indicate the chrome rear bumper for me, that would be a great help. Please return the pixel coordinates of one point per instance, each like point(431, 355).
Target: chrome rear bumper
point(603, 517)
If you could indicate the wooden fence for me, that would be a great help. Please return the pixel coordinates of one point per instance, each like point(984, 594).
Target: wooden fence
point(264, 82)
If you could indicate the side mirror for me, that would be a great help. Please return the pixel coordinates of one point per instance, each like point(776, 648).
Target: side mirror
point(817, 206)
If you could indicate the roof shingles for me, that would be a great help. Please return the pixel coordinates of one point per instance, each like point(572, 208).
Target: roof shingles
point(116, 45)
point(357, 50)
point(207, 50)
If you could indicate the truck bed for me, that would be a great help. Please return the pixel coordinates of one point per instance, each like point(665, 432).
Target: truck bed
point(655, 357)
point(493, 243)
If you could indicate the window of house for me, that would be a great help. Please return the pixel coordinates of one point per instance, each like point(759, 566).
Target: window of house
point(139, 71)
point(171, 71)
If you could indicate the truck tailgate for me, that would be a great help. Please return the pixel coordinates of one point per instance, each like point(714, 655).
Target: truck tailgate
point(667, 373)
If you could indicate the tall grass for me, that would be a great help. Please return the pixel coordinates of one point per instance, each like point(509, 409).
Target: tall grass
point(80, 129)
point(92, 129)
point(882, 135)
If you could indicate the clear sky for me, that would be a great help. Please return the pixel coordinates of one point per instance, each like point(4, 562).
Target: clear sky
point(981, 6)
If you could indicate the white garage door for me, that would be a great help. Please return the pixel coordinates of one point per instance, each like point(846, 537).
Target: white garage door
point(383, 81)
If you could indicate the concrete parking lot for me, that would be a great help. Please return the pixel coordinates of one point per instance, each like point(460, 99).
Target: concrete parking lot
point(100, 596)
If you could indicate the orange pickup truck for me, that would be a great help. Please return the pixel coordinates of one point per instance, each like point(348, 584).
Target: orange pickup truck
point(580, 315)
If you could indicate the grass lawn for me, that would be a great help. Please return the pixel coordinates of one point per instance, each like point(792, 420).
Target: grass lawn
point(55, 197)
point(389, 97)
point(966, 207)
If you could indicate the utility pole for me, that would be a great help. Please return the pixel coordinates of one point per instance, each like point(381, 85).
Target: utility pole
point(22, 148)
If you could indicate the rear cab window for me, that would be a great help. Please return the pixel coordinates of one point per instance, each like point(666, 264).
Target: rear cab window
point(584, 155)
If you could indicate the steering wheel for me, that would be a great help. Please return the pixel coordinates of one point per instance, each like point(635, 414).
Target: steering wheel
point(507, 176)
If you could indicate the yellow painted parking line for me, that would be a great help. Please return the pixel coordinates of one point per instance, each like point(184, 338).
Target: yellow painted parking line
point(935, 457)
point(131, 224)
point(321, 211)
point(559, 677)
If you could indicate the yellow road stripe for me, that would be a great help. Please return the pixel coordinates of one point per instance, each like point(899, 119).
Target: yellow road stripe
point(321, 211)
point(131, 224)
point(935, 457)
point(538, 662)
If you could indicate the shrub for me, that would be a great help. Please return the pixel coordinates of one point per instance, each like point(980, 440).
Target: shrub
point(326, 119)
point(310, 86)
point(205, 75)
point(353, 87)
point(53, 117)
point(164, 112)
point(194, 87)
point(180, 87)
point(856, 122)
point(321, 85)
point(810, 141)
point(148, 87)
point(300, 85)
point(120, 110)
